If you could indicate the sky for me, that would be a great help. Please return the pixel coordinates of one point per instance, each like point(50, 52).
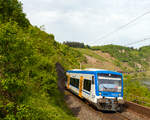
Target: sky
point(88, 21)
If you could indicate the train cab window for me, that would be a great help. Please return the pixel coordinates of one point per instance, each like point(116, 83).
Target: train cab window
point(87, 85)
point(74, 82)
point(109, 75)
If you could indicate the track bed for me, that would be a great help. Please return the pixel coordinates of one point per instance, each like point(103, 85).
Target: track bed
point(82, 110)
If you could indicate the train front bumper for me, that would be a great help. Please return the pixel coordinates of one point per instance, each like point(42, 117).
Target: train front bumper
point(109, 104)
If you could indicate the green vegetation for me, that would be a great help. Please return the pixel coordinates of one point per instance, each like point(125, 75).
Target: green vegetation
point(119, 64)
point(145, 52)
point(134, 91)
point(91, 53)
point(124, 54)
point(96, 54)
point(12, 10)
point(76, 44)
point(28, 79)
point(139, 60)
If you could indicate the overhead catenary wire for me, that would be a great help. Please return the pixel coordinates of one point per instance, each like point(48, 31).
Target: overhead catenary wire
point(145, 39)
point(123, 26)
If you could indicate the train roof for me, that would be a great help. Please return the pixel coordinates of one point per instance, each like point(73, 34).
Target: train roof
point(92, 71)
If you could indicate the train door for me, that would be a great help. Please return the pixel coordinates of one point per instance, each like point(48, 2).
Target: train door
point(80, 86)
point(92, 89)
point(88, 87)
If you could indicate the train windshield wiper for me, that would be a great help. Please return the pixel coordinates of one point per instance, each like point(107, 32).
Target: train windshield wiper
point(104, 87)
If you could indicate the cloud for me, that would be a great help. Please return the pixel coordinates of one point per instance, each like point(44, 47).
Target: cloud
point(86, 20)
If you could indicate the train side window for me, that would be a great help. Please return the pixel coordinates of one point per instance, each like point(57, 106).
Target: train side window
point(87, 85)
point(71, 81)
point(92, 79)
point(74, 82)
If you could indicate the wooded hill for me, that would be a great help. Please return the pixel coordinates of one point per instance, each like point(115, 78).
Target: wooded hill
point(28, 78)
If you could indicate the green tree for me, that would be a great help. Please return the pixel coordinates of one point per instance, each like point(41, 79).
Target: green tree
point(12, 10)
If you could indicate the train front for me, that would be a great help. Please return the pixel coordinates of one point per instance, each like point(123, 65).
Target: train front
point(110, 90)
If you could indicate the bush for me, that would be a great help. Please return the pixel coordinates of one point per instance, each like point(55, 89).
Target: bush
point(135, 92)
point(27, 60)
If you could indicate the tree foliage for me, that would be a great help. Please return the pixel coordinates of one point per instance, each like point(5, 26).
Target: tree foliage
point(144, 52)
point(76, 44)
point(134, 91)
point(12, 10)
point(28, 79)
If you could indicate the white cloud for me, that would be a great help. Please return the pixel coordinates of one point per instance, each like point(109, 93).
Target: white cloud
point(86, 20)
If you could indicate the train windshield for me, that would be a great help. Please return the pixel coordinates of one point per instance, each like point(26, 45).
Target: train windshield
point(109, 83)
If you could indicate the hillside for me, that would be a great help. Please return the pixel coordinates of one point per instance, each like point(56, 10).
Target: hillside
point(28, 78)
point(98, 59)
point(118, 58)
point(126, 60)
point(144, 52)
point(28, 55)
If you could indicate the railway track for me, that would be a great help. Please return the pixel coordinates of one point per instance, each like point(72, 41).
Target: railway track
point(87, 112)
point(91, 113)
point(119, 116)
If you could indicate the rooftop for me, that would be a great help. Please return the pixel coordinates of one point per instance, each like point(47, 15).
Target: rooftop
point(88, 69)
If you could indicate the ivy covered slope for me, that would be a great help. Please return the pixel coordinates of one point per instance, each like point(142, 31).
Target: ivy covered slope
point(28, 78)
point(137, 59)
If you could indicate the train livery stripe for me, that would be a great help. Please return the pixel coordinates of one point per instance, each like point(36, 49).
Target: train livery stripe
point(86, 92)
point(80, 86)
point(68, 81)
point(96, 85)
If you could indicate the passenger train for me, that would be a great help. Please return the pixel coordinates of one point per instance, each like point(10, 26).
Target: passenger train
point(102, 88)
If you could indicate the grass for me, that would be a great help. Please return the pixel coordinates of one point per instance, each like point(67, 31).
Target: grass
point(133, 57)
point(91, 53)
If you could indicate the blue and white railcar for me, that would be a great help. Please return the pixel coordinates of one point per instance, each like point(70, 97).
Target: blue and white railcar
point(102, 88)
